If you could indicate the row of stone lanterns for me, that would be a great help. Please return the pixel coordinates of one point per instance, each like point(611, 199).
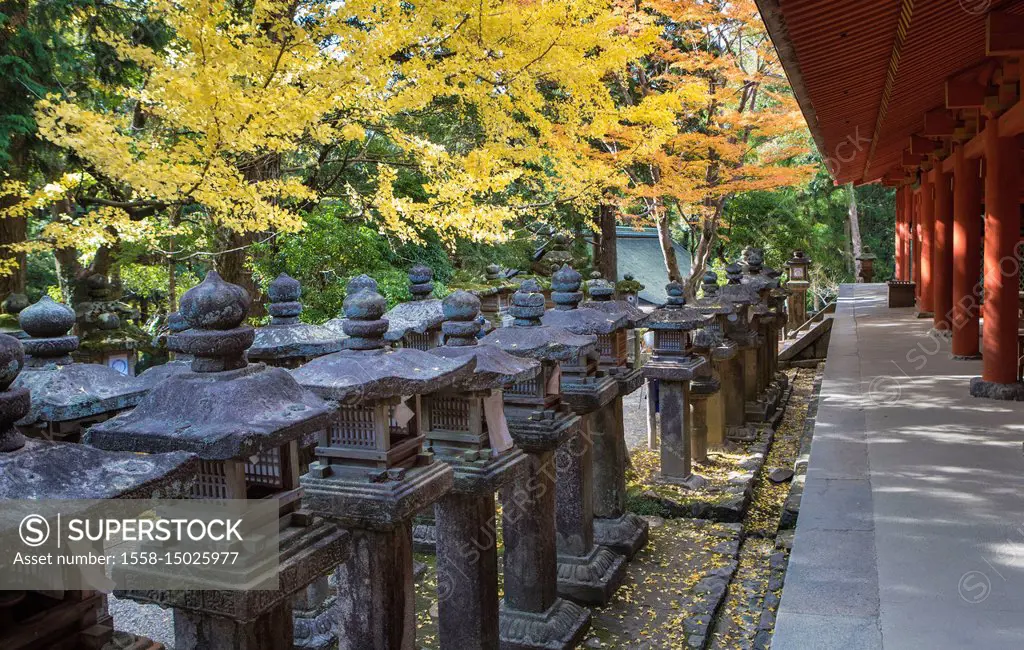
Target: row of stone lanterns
point(377, 434)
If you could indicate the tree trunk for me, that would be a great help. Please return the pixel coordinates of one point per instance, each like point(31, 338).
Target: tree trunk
point(854, 231)
point(608, 262)
point(704, 250)
point(13, 230)
point(231, 266)
point(668, 250)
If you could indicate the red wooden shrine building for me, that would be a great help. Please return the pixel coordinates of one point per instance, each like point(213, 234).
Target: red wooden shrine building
point(924, 96)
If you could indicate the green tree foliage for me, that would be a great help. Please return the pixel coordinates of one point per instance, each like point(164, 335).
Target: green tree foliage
point(813, 217)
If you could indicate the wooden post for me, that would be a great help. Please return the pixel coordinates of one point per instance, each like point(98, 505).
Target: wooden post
point(966, 253)
point(1002, 231)
point(942, 256)
point(916, 212)
point(926, 302)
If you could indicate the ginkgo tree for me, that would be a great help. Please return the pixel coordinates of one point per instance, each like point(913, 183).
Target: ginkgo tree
point(255, 112)
point(738, 127)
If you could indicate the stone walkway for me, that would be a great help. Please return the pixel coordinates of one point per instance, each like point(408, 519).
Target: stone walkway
point(911, 527)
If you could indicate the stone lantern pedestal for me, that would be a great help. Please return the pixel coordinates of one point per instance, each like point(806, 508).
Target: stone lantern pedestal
point(466, 427)
point(244, 421)
point(371, 472)
point(533, 616)
point(621, 531)
point(674, 368)
point(588, 573)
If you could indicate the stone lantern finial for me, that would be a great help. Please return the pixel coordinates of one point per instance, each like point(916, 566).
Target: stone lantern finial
point(675, 295)
point(527, 305)
point(14, 403)
point(217, 338)
point(460, 326)
point(493, 273)
point(364, 308)
point(421, 283)
point(709, 284)
point(47, 323)
point(734, 273)
point(565, 288)
point(284, 293)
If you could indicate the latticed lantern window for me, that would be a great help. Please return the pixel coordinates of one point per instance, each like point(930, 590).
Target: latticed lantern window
point(671, 341)
point(382, 434)
point(614, 348)
point(455, 422)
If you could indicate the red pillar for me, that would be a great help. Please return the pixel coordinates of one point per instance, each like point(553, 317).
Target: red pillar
point(908, 232)
point(966, 251)
point(926, 304)
point(1002, 230)
point(898, 274)
point(916, 238)
point(942, 253)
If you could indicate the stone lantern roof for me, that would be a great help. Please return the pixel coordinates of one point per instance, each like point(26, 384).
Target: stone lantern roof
point(529, 337)
point(223, 408)
point(566, 294)
point(285, 337)
point(712, 301)
point(38, 469)
point(676, 315)
point(61, 389)
point(602, 298)
point(736, 290)
point(367, 369)
point(494, 367)
point(420, 315)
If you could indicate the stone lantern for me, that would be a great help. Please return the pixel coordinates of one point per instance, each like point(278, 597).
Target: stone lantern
point(494, 300)
point(416, 324)
point(798, 268)
point(286, 342)
point(588, 573)
point(108, 334)
point(765, 397)
point(621, 531)
point(11, 307)
point(42, 470)
point(532, 613)
point(466, 428)
point(245, 422)
point(675, 367)
point(743, 330)
point(371, 472)
point(629, 289)
point(867, 264)
point(67, 397)
point(703, 388)
point(725, 406)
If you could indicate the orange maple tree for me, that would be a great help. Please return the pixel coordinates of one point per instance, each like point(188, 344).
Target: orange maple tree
point(737, 126)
